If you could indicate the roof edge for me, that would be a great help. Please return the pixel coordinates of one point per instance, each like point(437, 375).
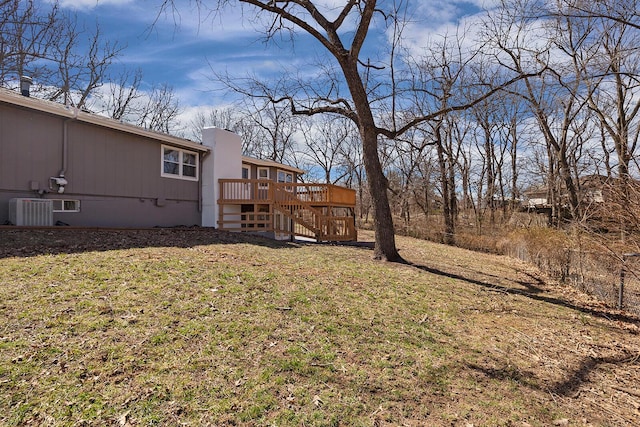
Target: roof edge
point(262, 162)
point(50, 107)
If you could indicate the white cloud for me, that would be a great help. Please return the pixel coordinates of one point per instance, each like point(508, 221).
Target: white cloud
point(199, 21)
point(433, 22)
point(91, 4)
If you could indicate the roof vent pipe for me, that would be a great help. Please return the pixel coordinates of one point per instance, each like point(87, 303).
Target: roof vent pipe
point(25, 85)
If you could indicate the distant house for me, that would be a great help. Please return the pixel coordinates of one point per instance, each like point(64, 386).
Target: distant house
point(536, 197)
point(593, 189)
point(59, 165)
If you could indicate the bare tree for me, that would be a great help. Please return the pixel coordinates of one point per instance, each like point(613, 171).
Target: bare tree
point(124, 99)
point(425, 189)
point(47, 45)
point(486, 146)
point(623, 12)
point(442, 81)
point(80, 72)
point(615, 89)
point(516, 133)
point(28, 35)
point(160, 111)
point(342, 32)
point(556, 98)
point(355, 176)
point(449, 134)
point(273, 130)
point(410, 156)
point(233, 118)
point(496, 139)
point(118, 102)
point(322, 142)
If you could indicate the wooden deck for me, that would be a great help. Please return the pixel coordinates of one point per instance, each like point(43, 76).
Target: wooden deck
point(320, 211)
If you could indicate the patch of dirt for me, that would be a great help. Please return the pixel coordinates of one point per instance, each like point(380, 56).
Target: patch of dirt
point(23, 242)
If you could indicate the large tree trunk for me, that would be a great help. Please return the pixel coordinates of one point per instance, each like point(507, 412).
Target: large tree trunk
point(385, 247)
point(570, 186)
point(447, 179)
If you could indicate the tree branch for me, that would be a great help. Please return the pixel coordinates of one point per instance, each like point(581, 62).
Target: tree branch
point(393, 134)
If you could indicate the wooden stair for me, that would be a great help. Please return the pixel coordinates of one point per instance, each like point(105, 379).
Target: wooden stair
point(322, 227)
point(299, 211)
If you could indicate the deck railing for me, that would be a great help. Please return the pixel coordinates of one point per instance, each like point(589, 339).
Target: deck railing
point(264, 191)
point(334, 229)
point(309, 206)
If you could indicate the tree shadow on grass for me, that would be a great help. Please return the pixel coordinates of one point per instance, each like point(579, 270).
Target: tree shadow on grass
point(568, 386)
point(506, 372)
point(534, 288)
point(533, 291)
point(28, 242)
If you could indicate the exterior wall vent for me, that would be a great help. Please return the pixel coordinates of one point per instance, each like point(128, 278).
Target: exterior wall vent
point(31, 212)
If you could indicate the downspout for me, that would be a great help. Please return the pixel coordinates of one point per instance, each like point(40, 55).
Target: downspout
point(60, 182)
point(65, 142)
point(65, 138)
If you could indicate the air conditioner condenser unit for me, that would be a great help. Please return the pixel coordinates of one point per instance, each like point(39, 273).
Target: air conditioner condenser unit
point(31, 212)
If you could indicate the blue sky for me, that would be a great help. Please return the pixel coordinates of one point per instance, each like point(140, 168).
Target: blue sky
point(180, 50)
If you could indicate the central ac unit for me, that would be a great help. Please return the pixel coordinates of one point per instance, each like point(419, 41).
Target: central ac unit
point(31, 212)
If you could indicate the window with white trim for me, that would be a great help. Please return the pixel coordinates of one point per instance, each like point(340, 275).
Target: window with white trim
point(263, 173)
point(245, 172)
point(178, 163)
point(66, 205)
point(284, 176)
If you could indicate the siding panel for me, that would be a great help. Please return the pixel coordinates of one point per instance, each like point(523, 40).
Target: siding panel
point(110, 163)
point(115, 175)
point(31, 148)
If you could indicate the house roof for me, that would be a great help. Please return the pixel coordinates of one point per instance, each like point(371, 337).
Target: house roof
point(536, 191)
point(270, 163)
point(13, 98)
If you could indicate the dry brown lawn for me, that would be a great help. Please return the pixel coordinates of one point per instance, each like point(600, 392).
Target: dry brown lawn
point(199, 327)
